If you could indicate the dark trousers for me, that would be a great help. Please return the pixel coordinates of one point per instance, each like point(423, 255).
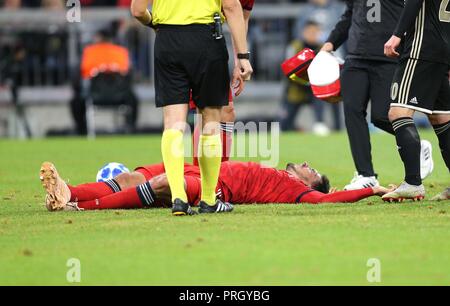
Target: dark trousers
point(364, 81)
point(290, 110)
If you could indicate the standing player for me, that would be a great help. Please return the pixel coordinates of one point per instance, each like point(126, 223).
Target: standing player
point(366, 76)
point(228, 114)
point(191, 56)
point(420, 84)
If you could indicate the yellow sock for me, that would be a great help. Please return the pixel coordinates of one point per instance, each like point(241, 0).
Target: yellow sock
point(210, 156)
point(172, 148)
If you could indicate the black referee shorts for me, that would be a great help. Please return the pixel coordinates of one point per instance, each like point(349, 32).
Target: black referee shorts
point(190, 58)
point(421, 85)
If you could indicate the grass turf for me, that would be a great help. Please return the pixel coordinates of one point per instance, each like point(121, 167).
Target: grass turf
point(256, 245)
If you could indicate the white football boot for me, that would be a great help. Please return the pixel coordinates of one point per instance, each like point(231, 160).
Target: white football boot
point(444, 195)
point(321, 129)
point(426, 159)
point(405, 192)
point(361, 182)
point(58, 193)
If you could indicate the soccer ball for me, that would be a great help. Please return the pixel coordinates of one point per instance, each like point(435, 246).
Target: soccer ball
point(110, 171)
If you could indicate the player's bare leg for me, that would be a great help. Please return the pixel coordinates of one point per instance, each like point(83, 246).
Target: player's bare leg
point(408, 142)
point(128, 180)
point(58, 193)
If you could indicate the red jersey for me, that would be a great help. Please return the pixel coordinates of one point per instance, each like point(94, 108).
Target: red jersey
point(247, 4)
point(248, 183)
point(254, 183)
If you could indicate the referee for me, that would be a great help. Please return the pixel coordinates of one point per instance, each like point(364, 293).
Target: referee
point(191, 53)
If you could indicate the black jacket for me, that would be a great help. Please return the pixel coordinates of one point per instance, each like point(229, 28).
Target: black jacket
point(364, 32)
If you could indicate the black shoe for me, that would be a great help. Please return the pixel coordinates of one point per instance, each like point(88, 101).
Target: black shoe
point(179, 208)
point(220, 207)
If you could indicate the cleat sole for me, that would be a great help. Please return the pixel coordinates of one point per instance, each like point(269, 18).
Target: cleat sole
point(56, 195)
point(401, 200)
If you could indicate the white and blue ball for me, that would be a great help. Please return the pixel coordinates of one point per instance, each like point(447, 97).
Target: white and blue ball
point(110, 171)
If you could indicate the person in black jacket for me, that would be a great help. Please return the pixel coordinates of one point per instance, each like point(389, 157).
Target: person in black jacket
point(421, 83)
point(367, 75)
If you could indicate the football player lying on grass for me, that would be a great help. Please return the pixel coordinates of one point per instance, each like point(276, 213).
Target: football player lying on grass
point(239, 183)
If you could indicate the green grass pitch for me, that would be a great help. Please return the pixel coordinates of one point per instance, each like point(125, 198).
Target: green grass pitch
point(256, 245)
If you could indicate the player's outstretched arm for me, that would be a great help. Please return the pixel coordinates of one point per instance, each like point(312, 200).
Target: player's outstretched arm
point(350, 196)
point(139, 10)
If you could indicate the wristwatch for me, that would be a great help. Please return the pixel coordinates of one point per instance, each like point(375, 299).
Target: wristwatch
point(243, 55)
point(151, 25)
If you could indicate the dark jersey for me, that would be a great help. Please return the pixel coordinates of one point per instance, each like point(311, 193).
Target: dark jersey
point(425, 27)
point(366, 28)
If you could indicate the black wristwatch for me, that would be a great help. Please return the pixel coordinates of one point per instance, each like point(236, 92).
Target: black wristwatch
point(243, 55)
point(150, 25)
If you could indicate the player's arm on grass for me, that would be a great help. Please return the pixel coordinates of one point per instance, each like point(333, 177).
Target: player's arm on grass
point(139, 10)
point(347, 196)
point(406, 22)
point(340, 33)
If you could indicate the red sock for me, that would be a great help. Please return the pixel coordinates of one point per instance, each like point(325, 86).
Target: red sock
point(227, 139)
point(92, 191)
point(125, 199)
point(195, 139)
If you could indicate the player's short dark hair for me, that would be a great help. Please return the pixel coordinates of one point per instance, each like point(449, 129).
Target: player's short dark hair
point(105, 34)
point(311, 23)
point(323, 185)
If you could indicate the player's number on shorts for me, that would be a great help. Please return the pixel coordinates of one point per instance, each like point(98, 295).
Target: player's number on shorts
point(444, 15)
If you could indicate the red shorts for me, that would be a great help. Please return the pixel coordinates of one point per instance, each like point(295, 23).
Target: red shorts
point(191, 175)
point(193, 106)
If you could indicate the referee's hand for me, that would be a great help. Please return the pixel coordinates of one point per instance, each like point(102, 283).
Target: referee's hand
point(246, 69)
point(390, 48)
point(237, 83)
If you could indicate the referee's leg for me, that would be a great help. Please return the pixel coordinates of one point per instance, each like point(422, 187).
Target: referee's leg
point(172, 148)
point(210, 153)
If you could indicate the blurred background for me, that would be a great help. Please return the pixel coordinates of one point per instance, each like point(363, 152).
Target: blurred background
point(47, 87)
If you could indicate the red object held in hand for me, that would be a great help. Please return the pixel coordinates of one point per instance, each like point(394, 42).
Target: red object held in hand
point(295, 68)
point(324, 77)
